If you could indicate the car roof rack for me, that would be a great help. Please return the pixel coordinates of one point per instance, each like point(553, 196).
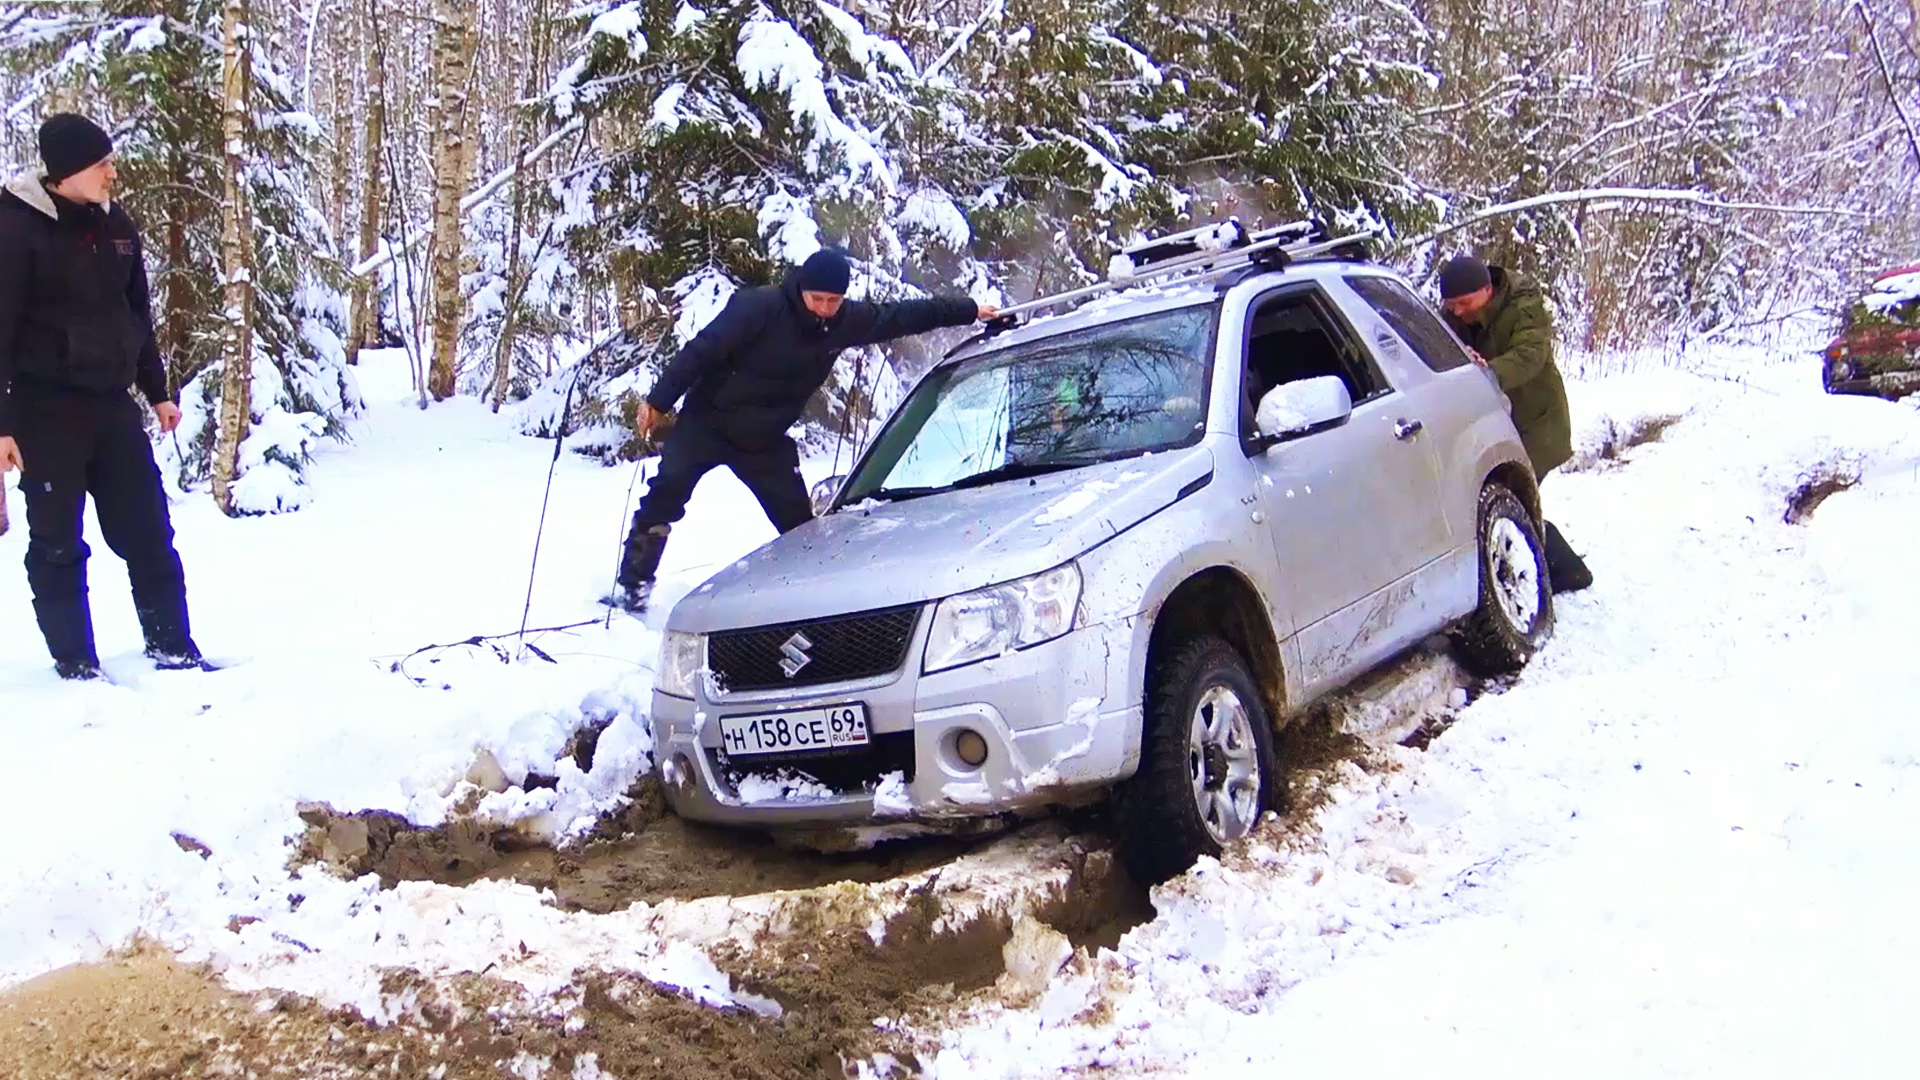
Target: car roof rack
point(1207, 251)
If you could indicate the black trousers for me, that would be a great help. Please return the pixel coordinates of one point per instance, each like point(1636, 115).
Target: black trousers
point(76, 444)
point(695, 448)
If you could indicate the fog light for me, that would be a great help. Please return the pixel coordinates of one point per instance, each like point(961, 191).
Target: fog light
point(971, 747)
point(679, 771)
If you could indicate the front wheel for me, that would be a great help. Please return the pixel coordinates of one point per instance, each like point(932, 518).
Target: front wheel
point(1515, 616)
point(1207, 768)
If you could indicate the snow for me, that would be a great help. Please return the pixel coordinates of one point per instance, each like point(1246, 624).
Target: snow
point(622, 23)
point(700, 297)
point(420, 532)
point(786, 222)
point(666, 108)
point(1073, 503)
point(781, 786)
point(890, 796)
point(773, 55)
point(1679, 843)
point(1298, 406)
point(151, 35)
point(934, 213)
point(687, 17)
point(1677, 846)
point(1892, 291)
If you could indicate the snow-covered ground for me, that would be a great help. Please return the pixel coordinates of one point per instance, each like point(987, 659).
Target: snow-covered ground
point(421, 533)
point(1681, 844)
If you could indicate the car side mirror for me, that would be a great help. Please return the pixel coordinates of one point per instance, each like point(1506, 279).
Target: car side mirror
point(1293, 409)
point(822, 494)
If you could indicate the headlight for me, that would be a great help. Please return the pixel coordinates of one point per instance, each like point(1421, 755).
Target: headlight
point(681, 657)
point(976, 625)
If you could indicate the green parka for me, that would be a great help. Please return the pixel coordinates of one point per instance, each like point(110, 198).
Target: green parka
point(1515, 333)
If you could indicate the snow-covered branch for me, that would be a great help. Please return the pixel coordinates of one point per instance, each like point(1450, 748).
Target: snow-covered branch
point(1691, 198)
point(475, 198)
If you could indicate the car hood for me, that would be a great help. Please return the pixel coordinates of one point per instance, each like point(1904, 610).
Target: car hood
point(885, 554)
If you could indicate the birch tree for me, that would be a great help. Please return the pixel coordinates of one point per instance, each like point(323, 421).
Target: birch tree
point(364, 318)
point(236, 256)
point(452, 57)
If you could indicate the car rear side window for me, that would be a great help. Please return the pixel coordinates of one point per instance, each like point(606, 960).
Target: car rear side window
point(1413, 320)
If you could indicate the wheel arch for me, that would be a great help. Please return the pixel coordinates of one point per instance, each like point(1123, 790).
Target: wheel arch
point(1221, 600)
point(1518, 478)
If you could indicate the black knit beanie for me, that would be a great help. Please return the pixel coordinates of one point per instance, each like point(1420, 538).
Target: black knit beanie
point(71, 144)
point(827, 271)
point(1461, 275)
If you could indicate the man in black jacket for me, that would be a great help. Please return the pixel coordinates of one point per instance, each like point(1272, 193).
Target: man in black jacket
point(76, 332)
point(746, 377)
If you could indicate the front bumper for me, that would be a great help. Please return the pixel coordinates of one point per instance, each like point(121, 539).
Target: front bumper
point(1059, 724)
point(1893, 385)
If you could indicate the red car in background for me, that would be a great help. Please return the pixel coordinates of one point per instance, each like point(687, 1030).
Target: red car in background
point(1878, 350)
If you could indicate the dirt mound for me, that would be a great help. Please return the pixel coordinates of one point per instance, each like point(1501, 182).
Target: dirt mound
point(643, 853)
point(142, 1016)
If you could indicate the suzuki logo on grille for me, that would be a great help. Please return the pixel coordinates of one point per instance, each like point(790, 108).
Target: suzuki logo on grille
point(794, 654)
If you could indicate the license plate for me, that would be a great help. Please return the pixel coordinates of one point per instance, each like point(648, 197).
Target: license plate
point(796, 731)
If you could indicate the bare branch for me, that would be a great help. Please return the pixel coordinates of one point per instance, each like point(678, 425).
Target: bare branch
point(1893, 95)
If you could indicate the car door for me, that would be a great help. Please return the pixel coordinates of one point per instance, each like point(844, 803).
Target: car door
point(1450, 393)
point(1354, 510)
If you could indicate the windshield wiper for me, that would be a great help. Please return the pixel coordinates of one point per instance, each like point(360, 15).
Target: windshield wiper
point(1015, 471)
point(1018, 470)
point(902, 494)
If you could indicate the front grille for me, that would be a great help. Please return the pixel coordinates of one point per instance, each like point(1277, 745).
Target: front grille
point(848, 768)
point(835, 650)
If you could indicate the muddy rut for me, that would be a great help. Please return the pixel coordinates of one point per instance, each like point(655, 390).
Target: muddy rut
point(956, 915)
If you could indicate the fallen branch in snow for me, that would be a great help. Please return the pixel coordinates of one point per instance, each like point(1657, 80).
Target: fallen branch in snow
point(1817, 484)
point(1693, 198)
point(399, 667)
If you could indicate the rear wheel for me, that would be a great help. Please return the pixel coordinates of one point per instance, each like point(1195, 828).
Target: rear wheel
point(1207, 769)
point(1515, 616)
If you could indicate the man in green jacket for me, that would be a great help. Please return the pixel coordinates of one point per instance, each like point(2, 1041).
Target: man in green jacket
point(1503, 316)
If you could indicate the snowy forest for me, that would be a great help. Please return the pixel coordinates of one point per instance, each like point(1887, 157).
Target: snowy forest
point(506, 188)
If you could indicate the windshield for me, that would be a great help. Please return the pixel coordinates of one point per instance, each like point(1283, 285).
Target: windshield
point(1107, 392)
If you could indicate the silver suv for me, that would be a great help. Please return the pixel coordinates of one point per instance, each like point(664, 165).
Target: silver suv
point(1112, 551)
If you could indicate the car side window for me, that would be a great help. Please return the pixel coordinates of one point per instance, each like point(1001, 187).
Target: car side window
point(1295, 336)
point(1413, 320)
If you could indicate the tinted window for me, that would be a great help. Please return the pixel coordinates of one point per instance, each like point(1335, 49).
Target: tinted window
point(1413, 320)
point(1290, 338)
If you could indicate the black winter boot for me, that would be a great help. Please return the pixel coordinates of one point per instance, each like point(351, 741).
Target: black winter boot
point(169, 639)
point(645, 546)
point(77, 671)
point(1565, 570)
point(68, 627)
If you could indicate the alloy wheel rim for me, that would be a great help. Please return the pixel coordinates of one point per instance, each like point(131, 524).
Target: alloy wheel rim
point(1515, 572)
point(1223, 764)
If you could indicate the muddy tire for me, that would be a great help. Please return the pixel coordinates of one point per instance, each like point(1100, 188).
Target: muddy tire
point(1515, 616)
point(1207, 769)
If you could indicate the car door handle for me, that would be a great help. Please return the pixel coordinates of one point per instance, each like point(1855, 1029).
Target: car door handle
point(1404, 429)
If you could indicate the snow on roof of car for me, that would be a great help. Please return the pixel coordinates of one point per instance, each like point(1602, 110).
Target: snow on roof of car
point(1893, 288)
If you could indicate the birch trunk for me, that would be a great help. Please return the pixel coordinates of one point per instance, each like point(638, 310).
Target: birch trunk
point(449, 184)
point(503, 361)
point(236, 255)
point(364, 317)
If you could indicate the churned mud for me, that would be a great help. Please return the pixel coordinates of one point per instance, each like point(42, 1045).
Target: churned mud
point(853, 950)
